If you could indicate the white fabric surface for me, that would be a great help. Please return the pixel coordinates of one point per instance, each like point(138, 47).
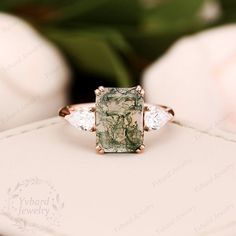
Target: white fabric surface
point(183, 184)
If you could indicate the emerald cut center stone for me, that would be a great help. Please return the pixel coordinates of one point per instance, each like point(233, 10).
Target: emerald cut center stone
point(119, 119)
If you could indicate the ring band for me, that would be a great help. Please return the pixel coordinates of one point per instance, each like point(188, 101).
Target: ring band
point(119, 117)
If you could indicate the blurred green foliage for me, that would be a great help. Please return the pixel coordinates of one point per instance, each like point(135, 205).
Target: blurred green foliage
point(116, 39)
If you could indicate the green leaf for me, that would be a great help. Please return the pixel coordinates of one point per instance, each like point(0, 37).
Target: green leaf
point(173, 15)
point(101, 11)
point(112, 36)
point(93, 54)
point(229, 9)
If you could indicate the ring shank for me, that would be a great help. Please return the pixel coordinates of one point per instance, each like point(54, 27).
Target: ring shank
point(92, 106)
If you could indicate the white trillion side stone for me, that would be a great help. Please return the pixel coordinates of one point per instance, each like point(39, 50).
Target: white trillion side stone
point(156, 117)
point(82, 119)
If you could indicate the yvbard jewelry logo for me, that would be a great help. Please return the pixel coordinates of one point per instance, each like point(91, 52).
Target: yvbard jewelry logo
point(33, 203)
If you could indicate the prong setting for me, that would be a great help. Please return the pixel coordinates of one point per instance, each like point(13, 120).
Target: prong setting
point(92, 109)
point(99, 150)
point(63, 112)
point(92, 129)
point(140, 149)
point(99, 90)
point(146, 108)
point(140, 90)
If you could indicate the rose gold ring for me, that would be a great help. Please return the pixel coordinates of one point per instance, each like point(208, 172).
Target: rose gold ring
point(119, 117)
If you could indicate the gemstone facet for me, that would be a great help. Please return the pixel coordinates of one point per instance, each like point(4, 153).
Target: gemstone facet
point(119, 119)
point(156, 117)
point(82, 118)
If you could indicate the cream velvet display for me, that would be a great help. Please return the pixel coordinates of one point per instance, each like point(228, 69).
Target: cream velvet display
point(183, 184)
point(33, 75)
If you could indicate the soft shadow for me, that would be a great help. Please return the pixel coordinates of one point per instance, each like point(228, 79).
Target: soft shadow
point(77, 138)
point(159, 137)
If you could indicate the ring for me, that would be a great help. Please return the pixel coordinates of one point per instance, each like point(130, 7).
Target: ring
point(119, 117)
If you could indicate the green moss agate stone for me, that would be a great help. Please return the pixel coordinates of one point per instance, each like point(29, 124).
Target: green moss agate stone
point(119, 119)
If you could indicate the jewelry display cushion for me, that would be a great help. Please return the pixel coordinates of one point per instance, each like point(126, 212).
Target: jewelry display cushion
point(184, 184)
